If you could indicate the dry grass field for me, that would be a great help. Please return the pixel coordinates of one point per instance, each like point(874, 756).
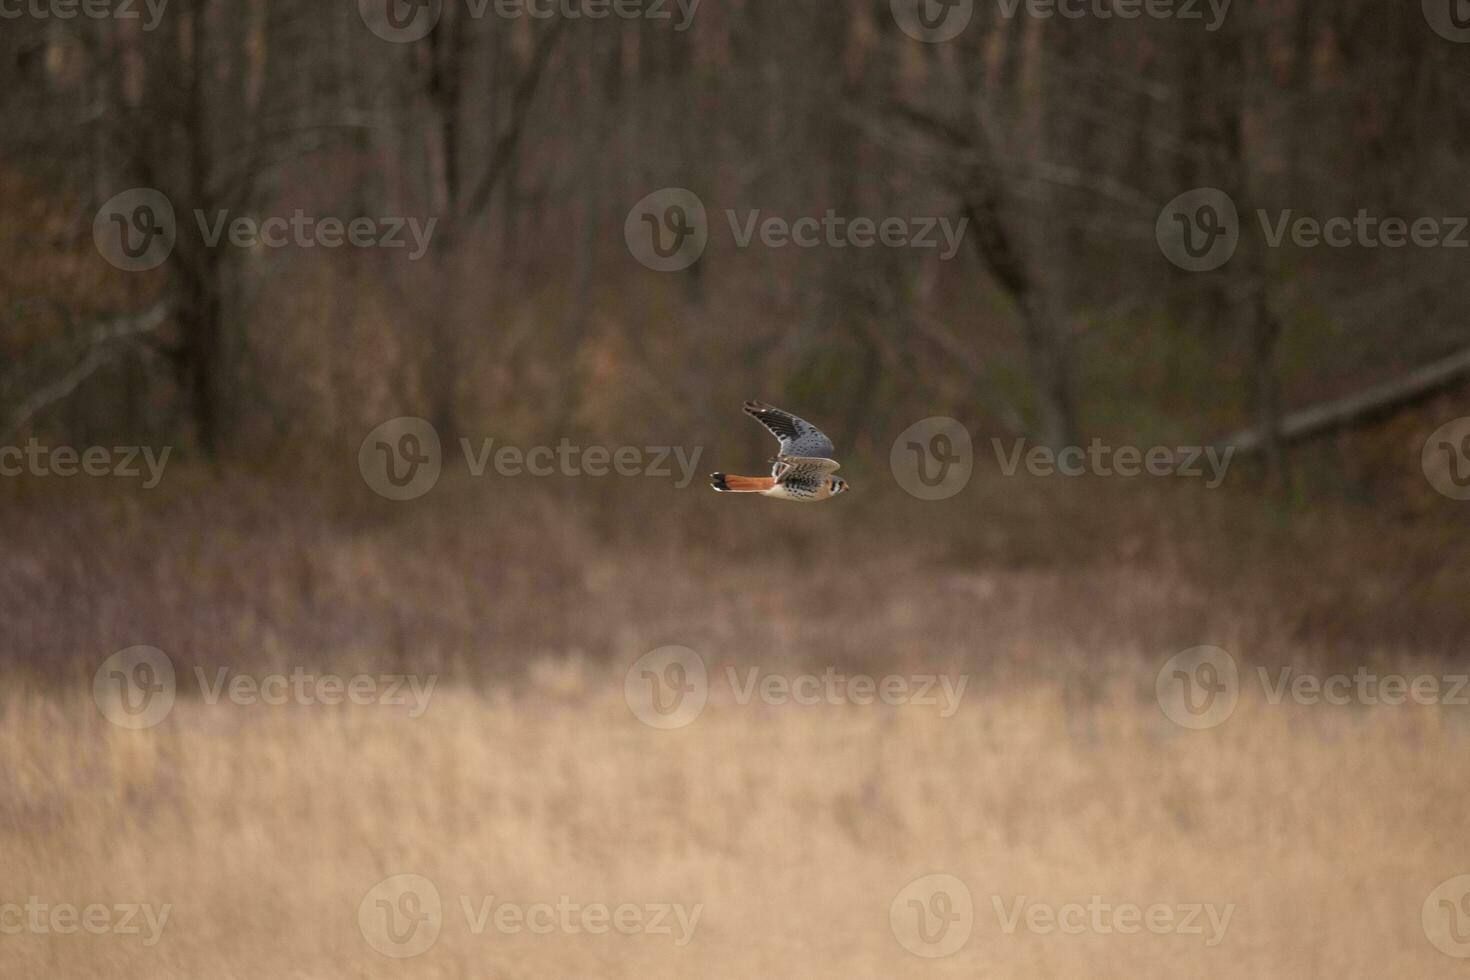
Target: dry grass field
point(793, 828)
point(791, 831)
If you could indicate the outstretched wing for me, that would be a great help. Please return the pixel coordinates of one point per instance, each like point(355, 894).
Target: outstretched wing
point(798, 437)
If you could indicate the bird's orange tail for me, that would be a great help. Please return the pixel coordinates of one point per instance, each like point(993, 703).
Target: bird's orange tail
point(741, 484)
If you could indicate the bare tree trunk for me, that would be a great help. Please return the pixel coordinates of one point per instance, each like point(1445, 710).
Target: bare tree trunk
point(1261, 329)
point(200, 306)
point(599, 84)
point(444, 92)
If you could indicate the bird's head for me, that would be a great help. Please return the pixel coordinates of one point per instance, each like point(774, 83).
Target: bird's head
point(837, 485)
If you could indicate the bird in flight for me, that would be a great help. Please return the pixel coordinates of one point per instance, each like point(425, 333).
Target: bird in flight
point(801, 471)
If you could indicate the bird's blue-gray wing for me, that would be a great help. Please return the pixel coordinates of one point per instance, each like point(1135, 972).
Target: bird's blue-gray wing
point(798, 437)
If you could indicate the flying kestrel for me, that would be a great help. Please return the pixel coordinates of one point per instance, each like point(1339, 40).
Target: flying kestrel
point(803, 469)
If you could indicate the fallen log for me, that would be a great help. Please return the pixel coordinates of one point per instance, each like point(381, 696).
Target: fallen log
point(1362, 408)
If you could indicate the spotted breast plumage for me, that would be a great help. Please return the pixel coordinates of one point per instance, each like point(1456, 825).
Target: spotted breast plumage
point(803, 468)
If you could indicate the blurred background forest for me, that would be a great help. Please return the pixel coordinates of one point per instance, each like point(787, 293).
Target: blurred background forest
point(529, 319)
point(529, 139)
